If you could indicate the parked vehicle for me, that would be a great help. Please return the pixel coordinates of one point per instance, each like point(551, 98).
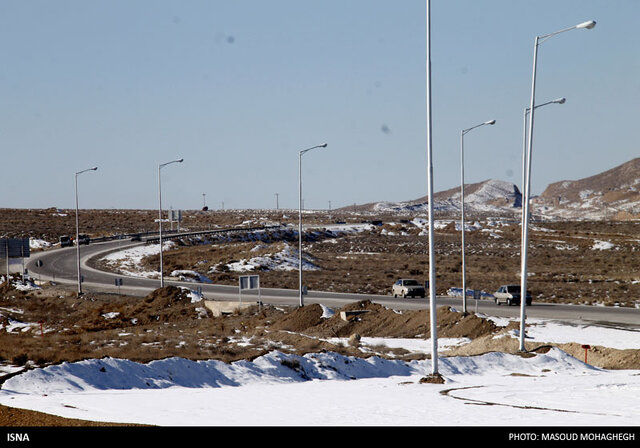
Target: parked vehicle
point(407, 287)
point(510, 294)
point(84, 239)
point(66, 241)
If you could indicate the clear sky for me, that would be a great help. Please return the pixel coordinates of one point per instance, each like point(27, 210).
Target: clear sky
point(238, 88)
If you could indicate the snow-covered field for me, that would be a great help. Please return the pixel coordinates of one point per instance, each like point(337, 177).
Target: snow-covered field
point(496, 389)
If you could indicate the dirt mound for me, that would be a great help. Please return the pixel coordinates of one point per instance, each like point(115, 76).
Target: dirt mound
point(163, 305)
point(300, 319)
point(597, 356)
point(452, 324)
point(12, 417)
point(167, 323)
point(369, 319)
point(604, 357)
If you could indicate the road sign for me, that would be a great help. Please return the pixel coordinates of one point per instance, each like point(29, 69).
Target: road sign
point(14, 248)
point(175, 215)
point(118, 284)
point(249, 282)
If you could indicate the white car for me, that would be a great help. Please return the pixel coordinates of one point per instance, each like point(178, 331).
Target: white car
point(510, 294)
point(407, 287)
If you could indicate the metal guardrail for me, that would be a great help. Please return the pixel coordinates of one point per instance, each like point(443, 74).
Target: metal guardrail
point(153, 237)
point(209, 232)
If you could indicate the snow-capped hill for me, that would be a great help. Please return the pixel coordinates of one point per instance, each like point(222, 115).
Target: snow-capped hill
point(612, 194)
point(492, 196)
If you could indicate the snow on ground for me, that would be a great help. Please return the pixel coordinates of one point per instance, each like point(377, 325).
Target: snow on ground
point(37, 243)
point(128, 260)
point(187, 275)
point(495, 389)
point(552, 389)
point(285, 260)
point(602, 245)
point(457, 292)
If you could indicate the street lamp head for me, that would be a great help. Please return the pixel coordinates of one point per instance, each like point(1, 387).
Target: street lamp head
point(94, 168)
point(560, 101)
point(587, 25)
point(323, 146)
point(490, 122)
point(180, 160)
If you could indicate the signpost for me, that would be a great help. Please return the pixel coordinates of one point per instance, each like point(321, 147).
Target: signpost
point(586, 348)
point(249, 282)
point(14, 248)
point(118, 282)
point(175, 216)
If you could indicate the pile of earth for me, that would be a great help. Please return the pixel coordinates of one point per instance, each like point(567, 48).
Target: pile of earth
point(169, 322)
point(369, 319)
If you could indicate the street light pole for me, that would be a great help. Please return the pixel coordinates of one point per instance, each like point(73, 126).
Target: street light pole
point(300, 218)
point(524, 142)
point(78, 231)
point(432, 259)
point(527, 184)
point(160, 213)
point(464, 270)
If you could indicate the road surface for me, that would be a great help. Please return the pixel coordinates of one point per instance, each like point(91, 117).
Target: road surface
point(60, 265)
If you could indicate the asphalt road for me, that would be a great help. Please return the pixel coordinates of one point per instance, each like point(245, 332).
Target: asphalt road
point(60, 265)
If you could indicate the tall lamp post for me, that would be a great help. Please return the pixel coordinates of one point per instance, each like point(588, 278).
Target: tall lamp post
point(432, 258)
point(160, 213)
point(524, 140)
point(300, 218)
point(527, 185)
point(464, 271)
point(78, 231)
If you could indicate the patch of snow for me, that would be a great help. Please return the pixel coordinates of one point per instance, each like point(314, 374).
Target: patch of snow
point(602, 245)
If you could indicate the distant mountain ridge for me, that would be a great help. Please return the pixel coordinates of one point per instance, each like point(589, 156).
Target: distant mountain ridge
point(612, 194)
point(489, 196)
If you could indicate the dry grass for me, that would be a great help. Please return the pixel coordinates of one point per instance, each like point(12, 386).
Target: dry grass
point(563, 265)
point(167, 324)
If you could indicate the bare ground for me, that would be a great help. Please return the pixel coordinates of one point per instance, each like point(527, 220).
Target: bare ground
point(564, 262)
point(53, 325)
point(166, 323)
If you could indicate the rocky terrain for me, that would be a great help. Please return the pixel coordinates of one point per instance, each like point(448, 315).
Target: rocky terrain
point(612, 194)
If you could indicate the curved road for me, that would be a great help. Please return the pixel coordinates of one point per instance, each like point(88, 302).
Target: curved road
point(60, 265)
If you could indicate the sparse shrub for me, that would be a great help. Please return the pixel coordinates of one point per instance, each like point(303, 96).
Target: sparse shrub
point(20, 360)
point(293, 364)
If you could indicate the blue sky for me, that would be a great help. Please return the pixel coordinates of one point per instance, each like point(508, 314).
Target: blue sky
point(238, 88)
